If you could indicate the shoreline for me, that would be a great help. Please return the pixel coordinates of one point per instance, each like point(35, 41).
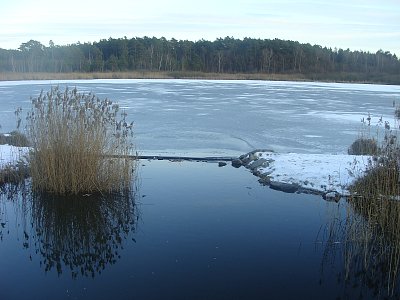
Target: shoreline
point(326, 175)
point(326, 78)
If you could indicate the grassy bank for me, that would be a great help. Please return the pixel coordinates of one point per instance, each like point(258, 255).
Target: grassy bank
point(331, 77)
point(325, 77)
point(4, 76)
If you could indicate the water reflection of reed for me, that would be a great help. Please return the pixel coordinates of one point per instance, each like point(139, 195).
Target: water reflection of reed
point(368, 238)
point(77, 234)
point(83, 234)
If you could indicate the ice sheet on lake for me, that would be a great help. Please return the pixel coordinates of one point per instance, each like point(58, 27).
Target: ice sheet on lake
point(187, 115)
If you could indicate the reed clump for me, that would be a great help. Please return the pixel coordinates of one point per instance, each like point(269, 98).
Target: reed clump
point(382, 177)
point(80, 144)
point(14, 138)
point(14, 173)
point(371, 232)
point(363, 146)
point(18, 170)
point(367, 240)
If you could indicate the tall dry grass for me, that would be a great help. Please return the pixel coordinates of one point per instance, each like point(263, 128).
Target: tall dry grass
point(151, 75)
point(366, 238)
point(382, 142)
point(369, 234)
point(81, 144)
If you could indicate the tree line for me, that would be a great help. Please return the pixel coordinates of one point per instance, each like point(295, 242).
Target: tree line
point(224, 55)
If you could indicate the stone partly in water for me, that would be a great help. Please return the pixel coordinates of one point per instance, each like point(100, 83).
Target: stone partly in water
point(284, 187)
point(252, 155)
point(237, 163)
point(264, 179)
point(331, 196)
point(254, 162)
point(221, 164)
point(262, 162)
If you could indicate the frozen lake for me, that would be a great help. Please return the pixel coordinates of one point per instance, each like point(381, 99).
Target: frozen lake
point(196, 230)
point(228, 117)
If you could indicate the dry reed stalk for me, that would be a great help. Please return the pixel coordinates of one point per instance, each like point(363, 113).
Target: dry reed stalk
point(370, 231)
point(72, 134)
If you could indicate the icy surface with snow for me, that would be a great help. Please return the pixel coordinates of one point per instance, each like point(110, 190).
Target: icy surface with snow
point(316, 172)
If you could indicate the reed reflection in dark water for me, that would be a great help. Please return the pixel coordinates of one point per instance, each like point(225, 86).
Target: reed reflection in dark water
point(76, 234)
point(367, 241)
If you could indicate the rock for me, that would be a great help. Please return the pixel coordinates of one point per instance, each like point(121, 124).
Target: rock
point(245, 160)
point(331, 196)
point(284, 187)
point(262, 162)
point(237, 163)
point(264, 180)
point(244, 156)
point(221, 164)
point(252, 155)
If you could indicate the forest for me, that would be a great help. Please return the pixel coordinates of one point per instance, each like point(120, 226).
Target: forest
point(224, 55)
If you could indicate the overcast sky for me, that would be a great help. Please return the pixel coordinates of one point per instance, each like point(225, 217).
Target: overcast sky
point(367, 25)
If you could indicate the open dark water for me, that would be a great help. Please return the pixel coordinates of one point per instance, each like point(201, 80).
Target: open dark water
point(191, 231)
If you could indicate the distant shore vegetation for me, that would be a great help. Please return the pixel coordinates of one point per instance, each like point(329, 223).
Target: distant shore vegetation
point(224, 58)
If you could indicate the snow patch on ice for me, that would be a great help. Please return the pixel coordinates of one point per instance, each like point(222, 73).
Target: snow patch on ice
point(321, 173)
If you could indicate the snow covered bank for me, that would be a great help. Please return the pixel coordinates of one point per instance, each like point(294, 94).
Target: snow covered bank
point(324, 174)
point(9, 155)
point(13, 164)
